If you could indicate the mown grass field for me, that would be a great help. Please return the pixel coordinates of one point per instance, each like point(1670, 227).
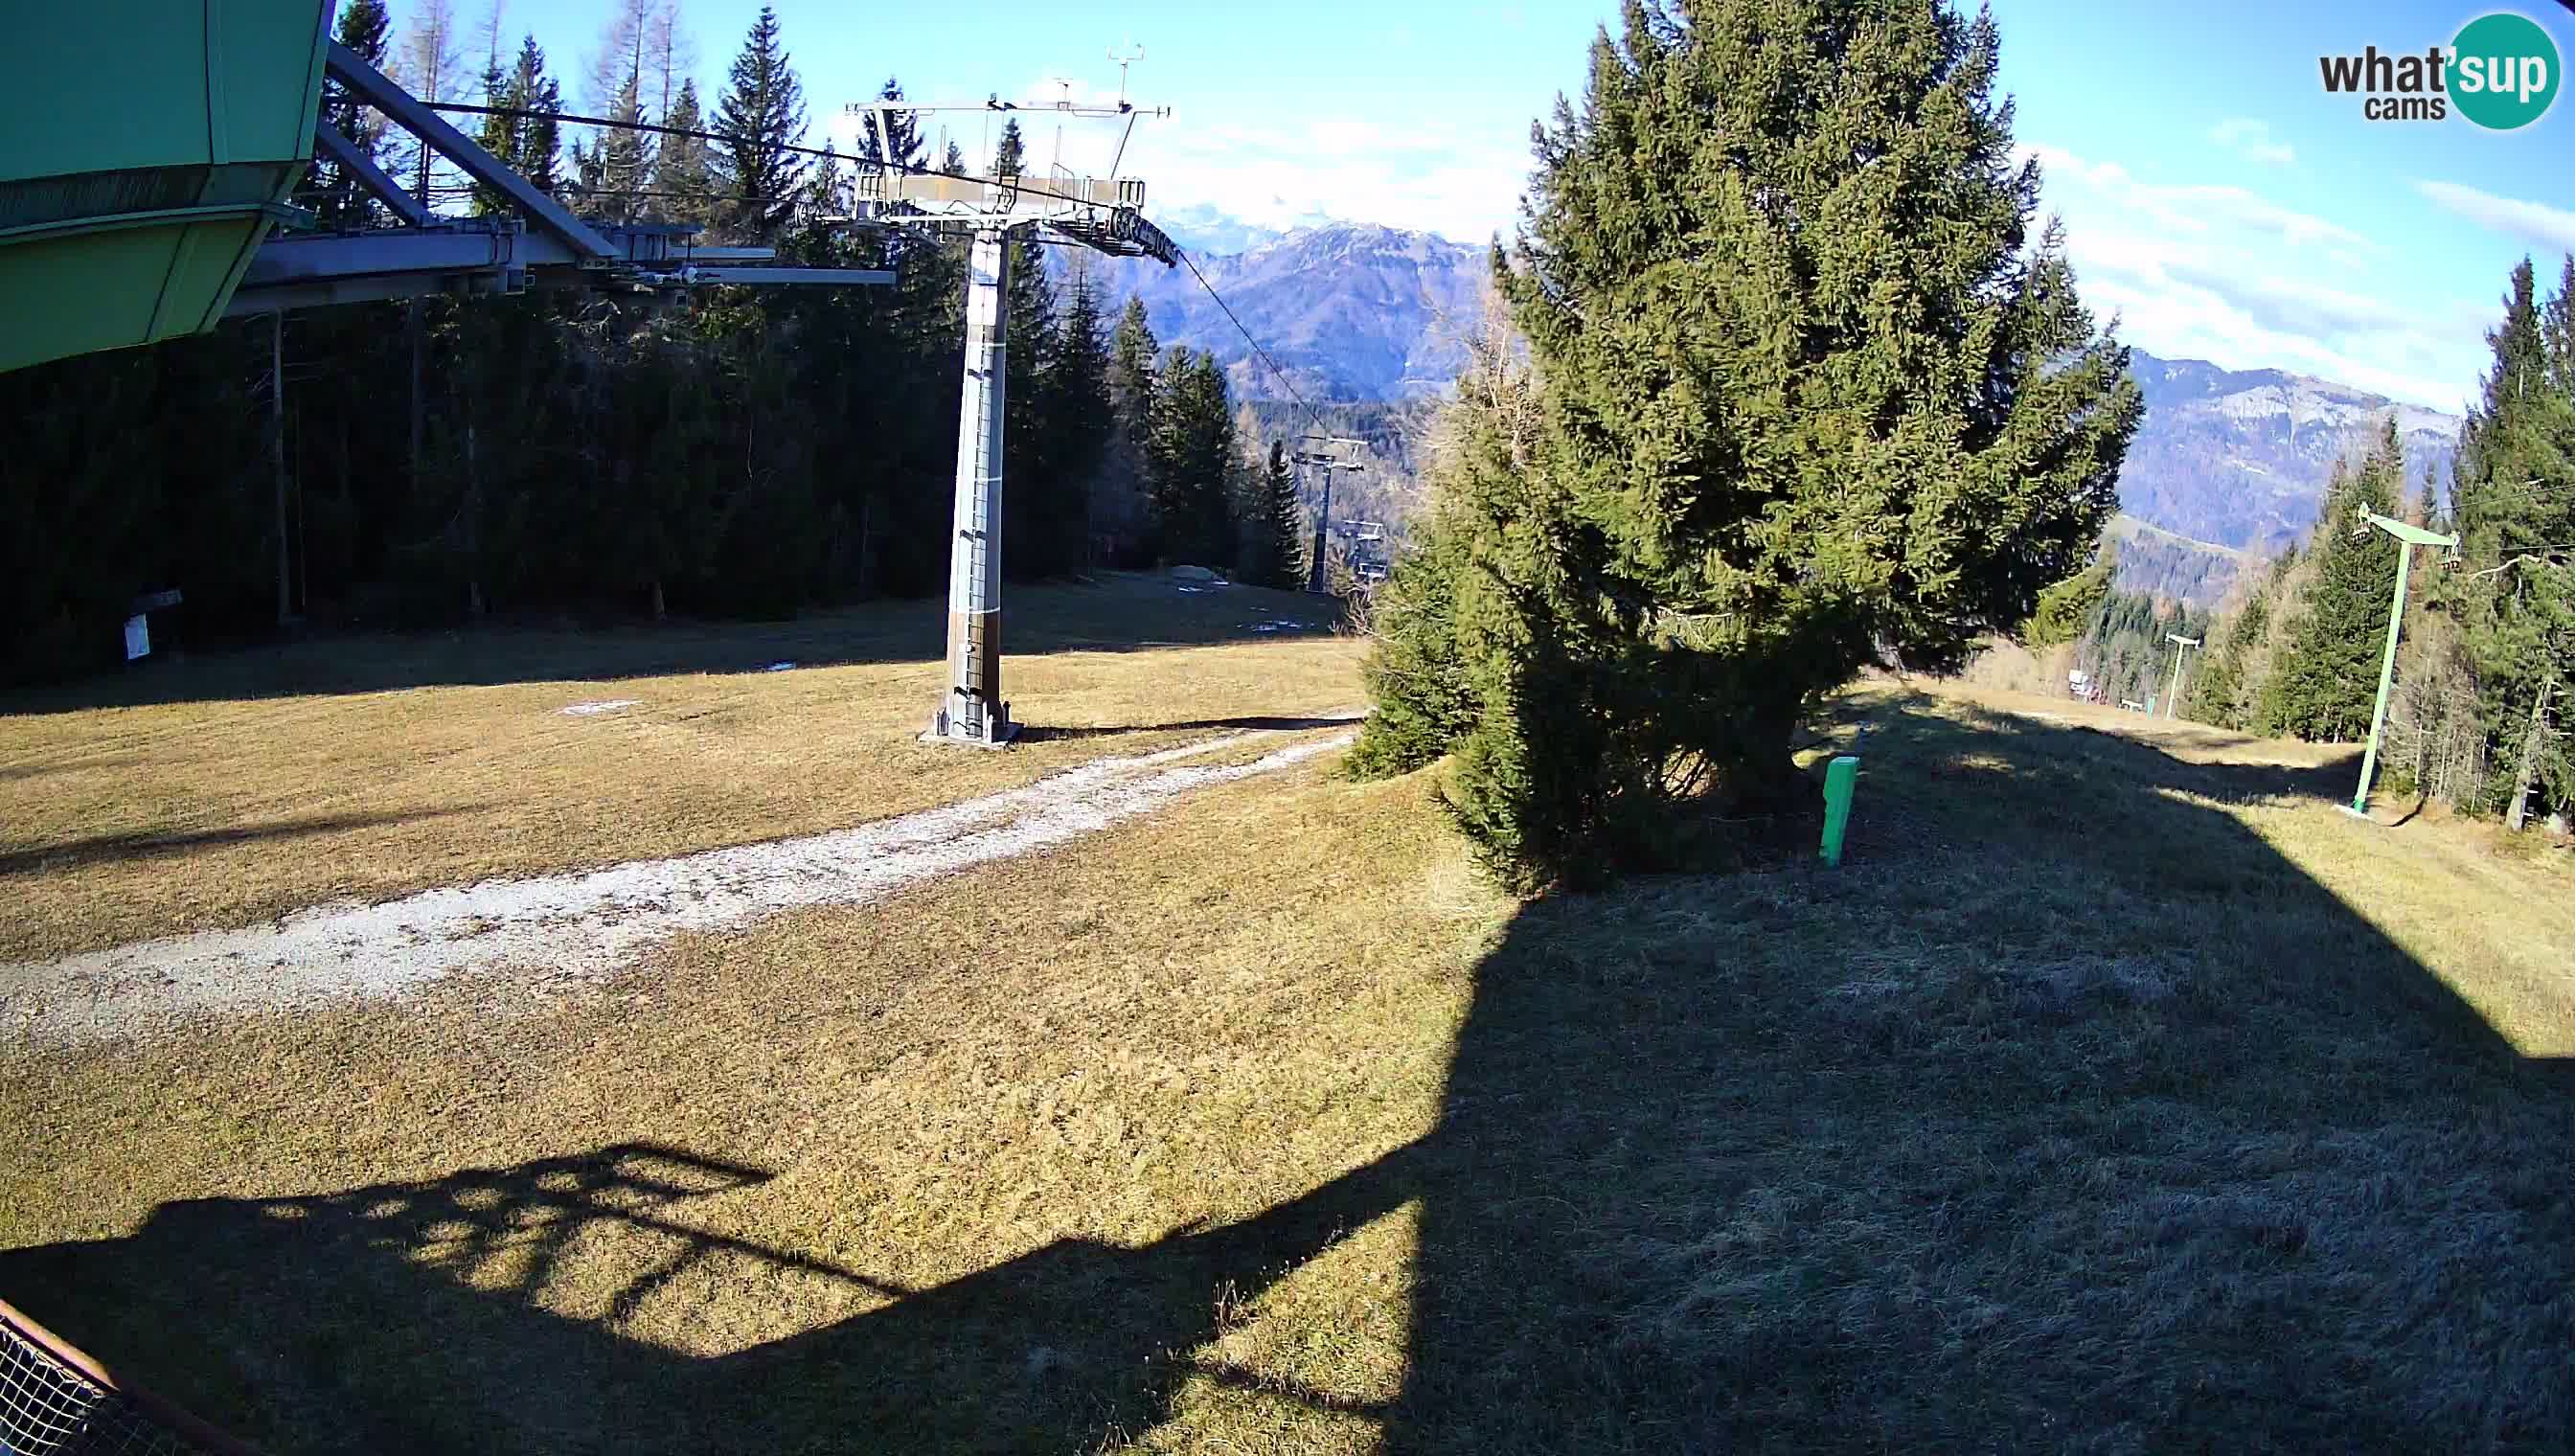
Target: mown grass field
point(2117, 1094)
point(228, 790)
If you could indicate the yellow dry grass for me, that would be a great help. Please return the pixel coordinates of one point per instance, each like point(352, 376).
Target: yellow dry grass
point(2117, 1093)
point(228, 790)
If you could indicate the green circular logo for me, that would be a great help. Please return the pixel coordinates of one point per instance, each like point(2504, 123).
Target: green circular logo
point(2503, 71)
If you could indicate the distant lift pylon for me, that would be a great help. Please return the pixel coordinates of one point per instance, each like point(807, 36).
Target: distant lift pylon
point(1103, 214)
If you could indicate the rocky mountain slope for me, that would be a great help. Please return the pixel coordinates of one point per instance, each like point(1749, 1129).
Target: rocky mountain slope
point(1351, 311)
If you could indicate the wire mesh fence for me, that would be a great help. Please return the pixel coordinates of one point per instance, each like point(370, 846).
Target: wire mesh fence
point(54, 1404)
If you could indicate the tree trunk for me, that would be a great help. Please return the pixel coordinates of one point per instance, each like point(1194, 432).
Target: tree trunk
point(2519, 814)
point(473, 529)
point(277, 459)
point(657, 599)
point(419, 405)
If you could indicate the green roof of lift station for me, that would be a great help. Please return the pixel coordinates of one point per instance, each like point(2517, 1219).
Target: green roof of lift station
point(146, 149)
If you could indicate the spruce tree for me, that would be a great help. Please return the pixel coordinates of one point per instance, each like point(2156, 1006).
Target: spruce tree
point(1132, 351)
point(2514, 485)
point(2325, 688)
point(1122, 504)
point(1481, 447)
point(763, 112)
point(616, 172)
point(683, 173)
point(328, 189)
point(902, 130)
point(1192, 456)
point(1274, 524)
point(2065, 607)
point(1815, 398)
point(539, 137)
point(2221, 696)
point(1079, 416)
point(1011, 154)
point(528, 145)
point(499, 134)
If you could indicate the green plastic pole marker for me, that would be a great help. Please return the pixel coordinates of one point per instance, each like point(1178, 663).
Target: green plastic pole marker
point(2407, 538)
point(1840, 777)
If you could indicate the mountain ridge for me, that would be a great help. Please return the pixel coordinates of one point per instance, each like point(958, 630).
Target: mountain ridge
point(1353, 312)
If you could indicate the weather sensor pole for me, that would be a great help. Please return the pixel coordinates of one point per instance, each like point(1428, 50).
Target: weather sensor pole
point(1105, 214)
point(2407, 538)
point(2173, 700)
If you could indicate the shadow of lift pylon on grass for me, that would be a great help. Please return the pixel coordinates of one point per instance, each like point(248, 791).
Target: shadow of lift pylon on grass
point(2067, 1114)
point(1113, 613)
point(1039, 732)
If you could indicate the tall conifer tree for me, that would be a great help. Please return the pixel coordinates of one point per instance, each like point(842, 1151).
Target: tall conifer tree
point(1816, 398)
point(2327, 687)
point(2515, 493)
point(763, 111)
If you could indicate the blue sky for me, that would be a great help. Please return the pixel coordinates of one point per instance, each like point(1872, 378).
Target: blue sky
point(2215, 196)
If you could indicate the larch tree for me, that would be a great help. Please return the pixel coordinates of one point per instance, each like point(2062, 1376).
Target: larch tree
point(431, 66)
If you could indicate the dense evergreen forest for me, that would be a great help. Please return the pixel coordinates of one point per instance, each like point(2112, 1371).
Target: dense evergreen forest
point(731, 452)
point(2478, 713)
point(2126, 649)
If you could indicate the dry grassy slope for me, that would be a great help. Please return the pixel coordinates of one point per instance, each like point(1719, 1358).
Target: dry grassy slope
point(229, 790)
point(2116, 1095)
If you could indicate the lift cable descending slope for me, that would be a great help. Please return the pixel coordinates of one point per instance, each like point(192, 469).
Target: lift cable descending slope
point(1028, 189)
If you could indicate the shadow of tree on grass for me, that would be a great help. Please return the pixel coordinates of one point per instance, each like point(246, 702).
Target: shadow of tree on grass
point(2069, 1115)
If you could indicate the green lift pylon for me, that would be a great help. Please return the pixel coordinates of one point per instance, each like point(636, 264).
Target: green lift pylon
point(2408, 537)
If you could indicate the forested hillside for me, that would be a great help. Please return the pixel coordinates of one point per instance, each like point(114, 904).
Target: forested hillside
point(2477, 711)
point(727, 452)
point(2156, 562)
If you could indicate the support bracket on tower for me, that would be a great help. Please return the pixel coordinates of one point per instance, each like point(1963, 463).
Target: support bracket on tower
point(537, 243)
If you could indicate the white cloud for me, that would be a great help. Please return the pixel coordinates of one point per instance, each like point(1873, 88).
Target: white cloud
point(2225, 274)
point(2535, 221)
point(2193, 208)
point(1432, 178)
point(2250, 138)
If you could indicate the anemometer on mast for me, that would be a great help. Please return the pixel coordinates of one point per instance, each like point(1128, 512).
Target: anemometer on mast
point(1105, 214)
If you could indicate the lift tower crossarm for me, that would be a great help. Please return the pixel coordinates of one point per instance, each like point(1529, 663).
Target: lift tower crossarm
point(373, 178)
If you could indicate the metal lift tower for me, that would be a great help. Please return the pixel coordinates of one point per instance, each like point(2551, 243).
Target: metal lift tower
point(1327, 461)
point(1105, 214)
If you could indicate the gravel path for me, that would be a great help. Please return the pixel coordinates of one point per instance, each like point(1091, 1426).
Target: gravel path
point(591, 923)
